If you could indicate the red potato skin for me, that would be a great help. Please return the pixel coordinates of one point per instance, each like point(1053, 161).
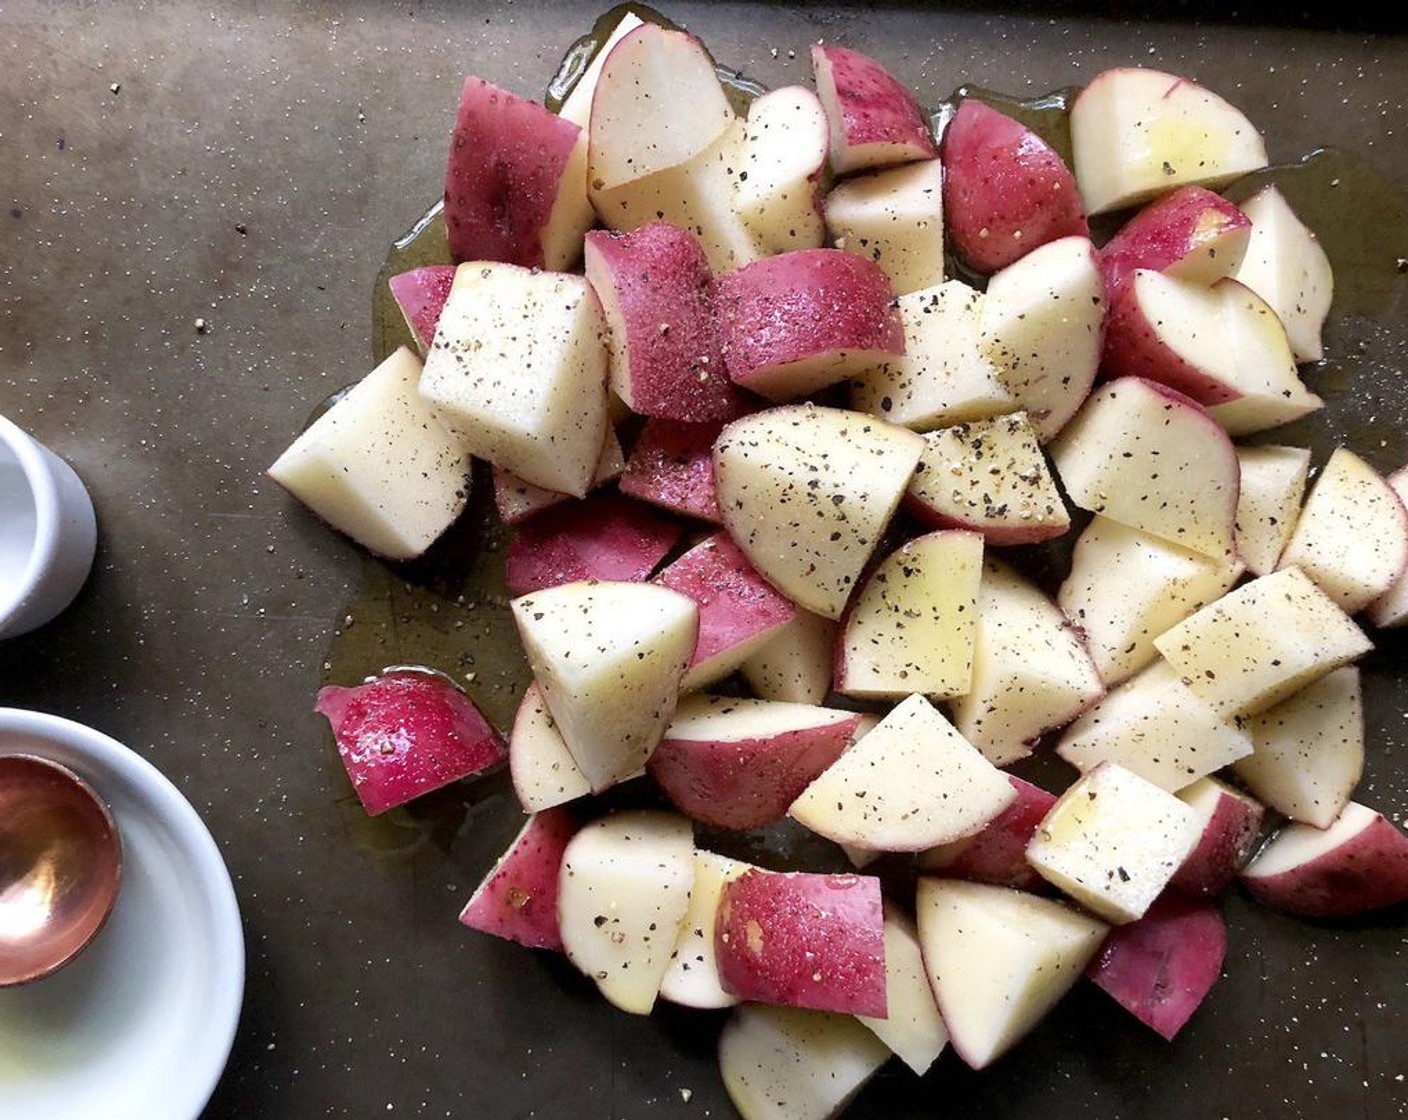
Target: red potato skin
point(802, 305)
point(1369, 871)
point(1161, 967)
point(1006, 191)
point(406, 734)
point(507, 159)
point(1132, 348)
point(803, 940)
point(1223, 850)
point(656, 286)
point(672, 466)
point(998, 854)
point(1194, 233)
point(518, 899)
point(421, 295)
point(747, 783)
point(874, 107)
point(603, 536)
point(735, 602)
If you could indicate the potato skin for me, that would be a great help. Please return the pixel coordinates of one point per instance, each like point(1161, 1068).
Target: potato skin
point(804, 940)
point(1006, 191)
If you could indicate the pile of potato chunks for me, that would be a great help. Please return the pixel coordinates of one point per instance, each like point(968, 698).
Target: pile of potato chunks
point(768, 293)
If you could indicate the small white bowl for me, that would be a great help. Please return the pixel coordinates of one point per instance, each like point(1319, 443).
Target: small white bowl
point(47, 532)
point(139, 1025)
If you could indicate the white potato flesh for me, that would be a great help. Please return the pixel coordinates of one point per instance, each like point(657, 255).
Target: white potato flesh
point(944, 377)
point(1285, 265)
point(623, 892)
point(806, 492)
point(910, 627)
point(998, 960)
point(517, 370)
point(657, 104)
point(1137, 134)
point(1352, 534)
point(692, 978)
point(782, 1063)
point(1155, 727)
point(1272, 391)
point(781, 156)
point(912, 1027)
point(577, 107)
point(1309, 750)
point(608, 658)
point(379, 466)
point(990, 475)
point(1262, 642)
point(911, 783)
point(1149, 458)
point(1113, 841)
point(1040, 326)
point(1268, 502)
point(795, 664)
point(1031, 672)
point(895, 217)
point(543, 770)
point(1391, 608)
point(1125, 588)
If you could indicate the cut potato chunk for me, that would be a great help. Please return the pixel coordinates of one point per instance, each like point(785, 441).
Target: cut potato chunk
point(1154, 726)
point(998, 960)
point(910, 784)
point(1031, 671)
point(1262, 642)
point(910, 627)
point(1352, 535)
point(518, 372)
point(1268, 502)
point(544, 773)
point(1285, 265)
point(895, 218)
point(609, 658)
point(807, 491)
point(379, 466)
point(1309, 750)
point(912, 1027)
point(779, 1063)
point(795, 664)
point(1113, 841)
point(692, 979)
point(623, 893)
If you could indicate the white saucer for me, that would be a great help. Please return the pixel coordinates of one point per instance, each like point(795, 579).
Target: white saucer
point(140, 1025)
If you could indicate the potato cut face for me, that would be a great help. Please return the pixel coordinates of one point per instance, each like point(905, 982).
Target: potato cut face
point(379, 466)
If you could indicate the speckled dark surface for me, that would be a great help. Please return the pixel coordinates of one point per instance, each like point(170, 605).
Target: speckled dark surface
point(247, 165)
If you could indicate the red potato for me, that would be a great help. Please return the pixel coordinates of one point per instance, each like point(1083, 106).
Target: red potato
point(1006, 190)
point(795, 665)
point(1358, 864)
point(874, 120)
point(420, 294)
point(735, 763)
point(800, 321)
point(672, 466)
point(803, 940)
point(997, 854)
point(1148, 457)
point(738, 609)
point(989, 476)
point(543, 772)
point(1161, 967)
point(407, 733)
point(514, 185)
point(603, 536)
point(657, 292)
point(1229, 836)
point(518, 898)
point(1193, 234)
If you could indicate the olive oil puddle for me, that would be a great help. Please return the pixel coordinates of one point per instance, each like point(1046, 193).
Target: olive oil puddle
point(449, 611)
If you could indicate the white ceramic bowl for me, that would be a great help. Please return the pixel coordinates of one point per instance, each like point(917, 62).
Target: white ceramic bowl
point(139, 1026)
point(47, 532)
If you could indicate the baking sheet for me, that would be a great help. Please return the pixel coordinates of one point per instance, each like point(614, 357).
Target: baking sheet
point(196, 199)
